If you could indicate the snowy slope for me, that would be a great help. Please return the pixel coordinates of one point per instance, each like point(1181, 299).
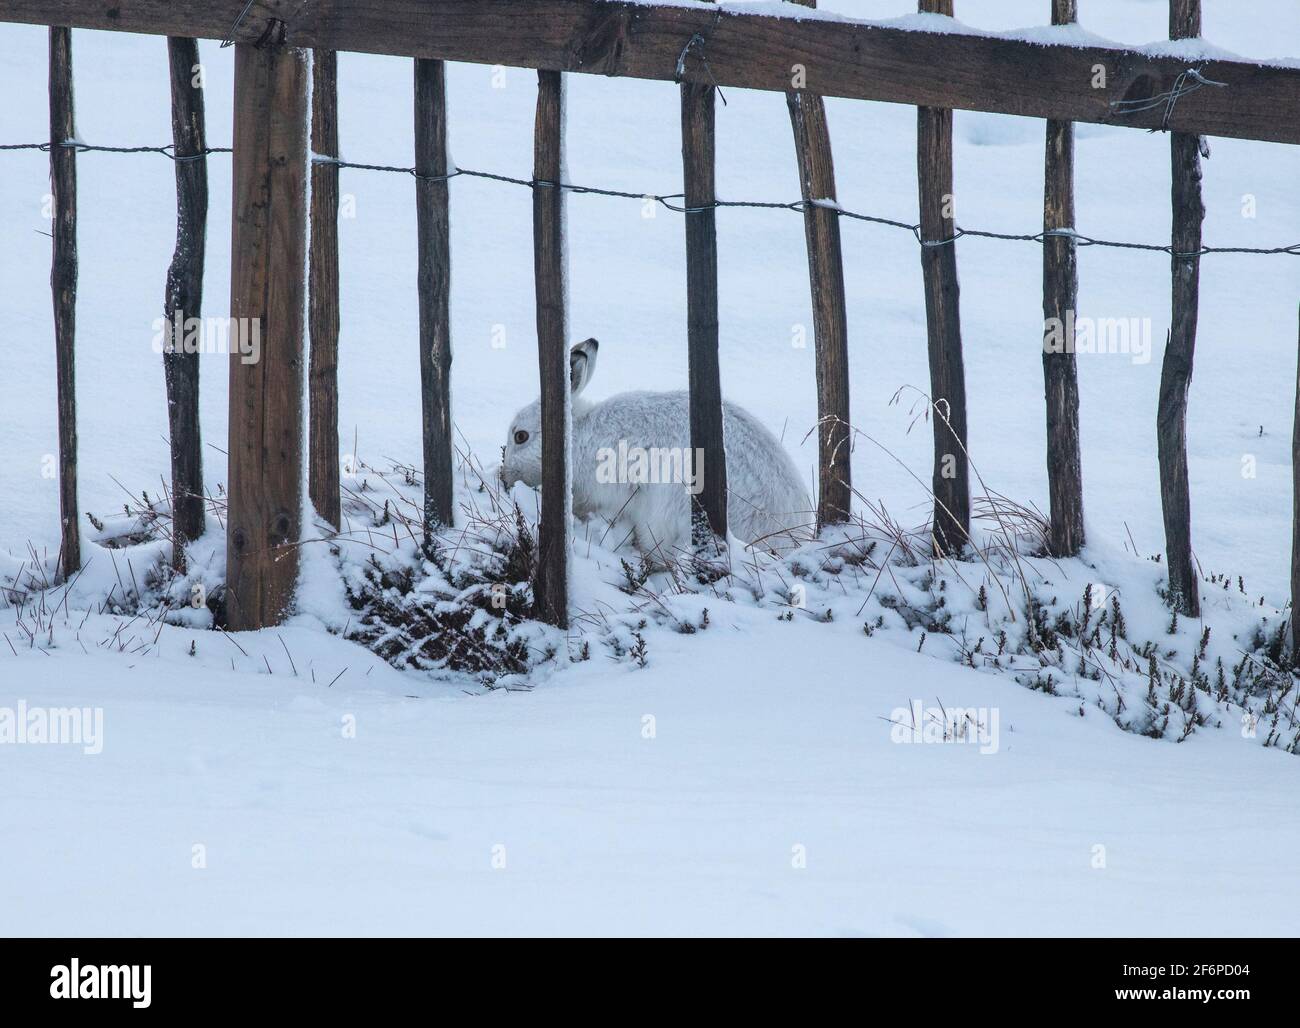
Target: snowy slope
point(765, 739)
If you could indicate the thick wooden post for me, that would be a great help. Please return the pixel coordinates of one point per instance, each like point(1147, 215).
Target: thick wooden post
point(1060, 300)
point(267, 262)
point(323, 292)
point(550, 585)
point(184, 294)
point(708, 449)
point(951, 482)
point(63, 288)
point(1295, 523)
point(433, 228)
point(1176, 371)
point(812, 141)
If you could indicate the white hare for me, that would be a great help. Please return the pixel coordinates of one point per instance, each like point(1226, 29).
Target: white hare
point(631, 458)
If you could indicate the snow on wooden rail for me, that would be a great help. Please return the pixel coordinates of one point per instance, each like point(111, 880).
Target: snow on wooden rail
point(928, 61)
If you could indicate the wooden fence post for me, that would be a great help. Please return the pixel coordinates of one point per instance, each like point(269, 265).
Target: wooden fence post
point(708, 447)
point(951, 482)
point(812, 141)
point(1295, 523)
point(1060, 300)
point(184, 295)
point(434, 276)
point(267, 287)
point(1176, 370)
point(63, 288)
point(550, 585)
point(323, 293)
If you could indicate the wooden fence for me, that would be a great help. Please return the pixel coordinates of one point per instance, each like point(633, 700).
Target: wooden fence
point(701, 46)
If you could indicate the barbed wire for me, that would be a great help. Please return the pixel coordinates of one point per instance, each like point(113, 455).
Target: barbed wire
point(676, 202)
point(166, 151)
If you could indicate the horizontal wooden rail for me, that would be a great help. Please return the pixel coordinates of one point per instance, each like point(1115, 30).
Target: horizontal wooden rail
point(747, 49)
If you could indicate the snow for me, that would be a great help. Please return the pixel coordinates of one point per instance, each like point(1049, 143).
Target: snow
point(693, 831)
point(768, 735)
point(920, 21)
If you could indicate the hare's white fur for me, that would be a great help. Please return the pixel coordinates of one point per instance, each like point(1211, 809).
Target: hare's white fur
point(766, 503)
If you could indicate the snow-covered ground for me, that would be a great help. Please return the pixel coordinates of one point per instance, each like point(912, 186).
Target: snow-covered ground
point(756, 750)
point(388, 802)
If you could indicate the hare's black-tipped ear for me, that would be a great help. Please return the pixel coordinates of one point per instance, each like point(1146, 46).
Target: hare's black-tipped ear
point(582, 363)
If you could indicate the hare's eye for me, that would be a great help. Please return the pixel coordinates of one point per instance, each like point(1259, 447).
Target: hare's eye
point(521, 437)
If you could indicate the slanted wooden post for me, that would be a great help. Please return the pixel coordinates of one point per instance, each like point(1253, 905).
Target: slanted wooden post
point(63, 287)
point(1295, 523)
point(323, 292)
point(433, 229)
point(951, 482)
point(183, 299)
point(550, 585)
point(1060, 300)
point(708, 449)
point(812, 141)
point(267, 294)
point(1176, 371)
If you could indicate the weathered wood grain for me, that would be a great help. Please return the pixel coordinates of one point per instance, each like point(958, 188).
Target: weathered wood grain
point(434, 280)
point(747, 49)
point(812, 141)
point(550, 584)
point(184, 293)
point(1060, 302)
point(63, 289)
point(708, 445)
point(267, 296)
point(951, 477)
point(1180, 349)
point(1295, 522)
point(323, 294)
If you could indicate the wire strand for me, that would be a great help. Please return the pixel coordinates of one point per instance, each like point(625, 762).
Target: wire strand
point(676, 202)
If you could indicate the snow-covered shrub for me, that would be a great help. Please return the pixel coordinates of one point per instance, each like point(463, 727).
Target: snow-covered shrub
point(433, 611)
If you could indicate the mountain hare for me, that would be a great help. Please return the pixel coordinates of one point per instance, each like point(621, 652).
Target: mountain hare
point(631, 458)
